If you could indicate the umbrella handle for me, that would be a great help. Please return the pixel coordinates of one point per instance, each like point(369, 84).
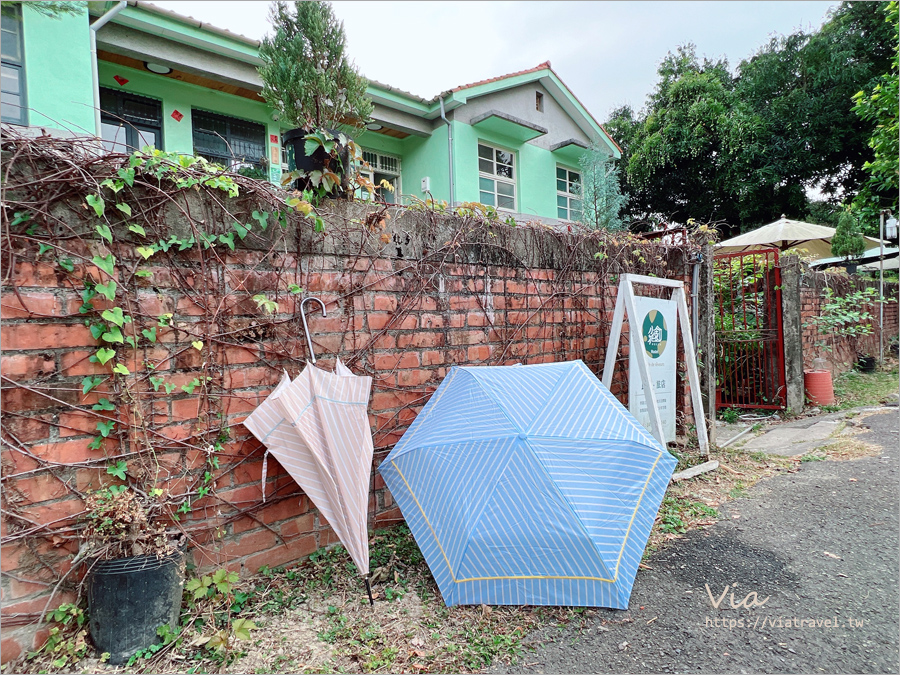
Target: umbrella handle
point(312, 354)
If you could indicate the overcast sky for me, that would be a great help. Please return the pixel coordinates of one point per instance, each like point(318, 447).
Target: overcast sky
point(607, 52)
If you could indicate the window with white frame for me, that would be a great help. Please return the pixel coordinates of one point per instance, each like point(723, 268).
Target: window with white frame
point(382, 167)
point(568, 194)
point(496, 177)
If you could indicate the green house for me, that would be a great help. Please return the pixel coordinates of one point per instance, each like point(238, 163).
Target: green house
point(135, 74)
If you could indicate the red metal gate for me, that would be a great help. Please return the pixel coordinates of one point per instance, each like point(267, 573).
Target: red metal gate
point(749, 336)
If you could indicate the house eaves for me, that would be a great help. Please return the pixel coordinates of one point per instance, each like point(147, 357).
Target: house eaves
point(149, 18)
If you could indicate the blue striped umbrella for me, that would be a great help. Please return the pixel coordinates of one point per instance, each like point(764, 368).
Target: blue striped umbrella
point(529, 485)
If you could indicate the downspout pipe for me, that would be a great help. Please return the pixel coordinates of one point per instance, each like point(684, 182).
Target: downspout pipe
point(95, 72)
point(449, 148)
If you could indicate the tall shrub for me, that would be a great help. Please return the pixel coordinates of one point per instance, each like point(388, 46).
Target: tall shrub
point(307, 75)
point(847, 241)
point(603, 200)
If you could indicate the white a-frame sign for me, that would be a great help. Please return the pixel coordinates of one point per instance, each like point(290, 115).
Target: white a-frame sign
point(625, 300)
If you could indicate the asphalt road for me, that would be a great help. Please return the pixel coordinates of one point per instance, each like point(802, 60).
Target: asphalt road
point(820, 546)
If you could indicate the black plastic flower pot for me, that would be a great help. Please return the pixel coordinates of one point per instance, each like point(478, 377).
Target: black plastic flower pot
point(318, 160)
point(866, 364)
point(130, 598)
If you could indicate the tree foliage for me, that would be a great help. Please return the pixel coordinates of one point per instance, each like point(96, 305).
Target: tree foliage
point(307, 76)
point(602, 200)
point(742, 148)
point(880, 107)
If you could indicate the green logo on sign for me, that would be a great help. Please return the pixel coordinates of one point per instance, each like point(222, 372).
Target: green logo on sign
point(655, 334)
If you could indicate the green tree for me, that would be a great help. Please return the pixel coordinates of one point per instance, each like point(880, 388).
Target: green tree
point(602, 200)
point(800, 87)
point(847, 241)
point(307, 76)
point(686, 156)
point(623, 125)
point(880, 107)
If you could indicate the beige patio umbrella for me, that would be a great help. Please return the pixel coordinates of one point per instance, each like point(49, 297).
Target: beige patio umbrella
point(784, 234)
point(318, 428)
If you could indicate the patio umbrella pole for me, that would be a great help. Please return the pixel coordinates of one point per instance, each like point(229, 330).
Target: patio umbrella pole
point(369, 591)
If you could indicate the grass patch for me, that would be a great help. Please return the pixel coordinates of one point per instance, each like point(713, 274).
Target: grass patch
point(854, 389)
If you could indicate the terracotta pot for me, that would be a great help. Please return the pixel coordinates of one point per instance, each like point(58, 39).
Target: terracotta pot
point(819, 388)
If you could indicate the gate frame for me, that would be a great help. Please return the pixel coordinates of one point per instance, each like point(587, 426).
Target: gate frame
point(782, 382)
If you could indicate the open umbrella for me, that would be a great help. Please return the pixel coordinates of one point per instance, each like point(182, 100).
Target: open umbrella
point(786, 233)
point(318, 428)
point(529, 485)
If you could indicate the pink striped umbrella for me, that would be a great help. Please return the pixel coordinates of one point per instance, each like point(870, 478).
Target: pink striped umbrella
point(318, 428)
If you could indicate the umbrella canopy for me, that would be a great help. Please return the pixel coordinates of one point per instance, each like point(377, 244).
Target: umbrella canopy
point(784, 234)
point(318, 428)
point(529, 485)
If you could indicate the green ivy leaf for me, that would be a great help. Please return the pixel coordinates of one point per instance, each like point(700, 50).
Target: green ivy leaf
point(105, 427)
point(107, 290)
point(114, 185)
point(97, 329)
point(121, 369)
point(114, 315)
point(114, 334)
point(130, 340)
point(137, 229)
point(145, 251)
point(185, 245)
point(106, 263)
point(67, 264)
point(118, 469)
point(197, 344)
point(89, 383)
point(124, 208)
point(241, 230)
point(190, 386)
point(103, 404)
point(127, 175)
point(104, 354)
point(169, 387)
point(96, 443)
point(261, 218)
point(227, 239)
point(143, 273)
point(97, 203)
point(150, 334)
point(47, 247)
point(295, 289)
point(104, 231)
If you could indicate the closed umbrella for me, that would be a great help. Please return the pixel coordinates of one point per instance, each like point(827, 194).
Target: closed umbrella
point(318, 428)
point(529, 485)
point(328, 412)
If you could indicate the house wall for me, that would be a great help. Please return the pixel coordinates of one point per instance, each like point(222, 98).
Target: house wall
point(519, 101)
point(58, 81)
point(183, 97)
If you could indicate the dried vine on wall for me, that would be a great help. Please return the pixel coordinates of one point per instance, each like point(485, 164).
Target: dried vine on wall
point(117, 231)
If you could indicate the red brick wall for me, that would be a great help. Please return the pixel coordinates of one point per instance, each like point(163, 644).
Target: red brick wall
point(406, 327)
point(844, 349)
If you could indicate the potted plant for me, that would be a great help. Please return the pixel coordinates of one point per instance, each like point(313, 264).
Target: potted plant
point(135, 578)
point(313, 86)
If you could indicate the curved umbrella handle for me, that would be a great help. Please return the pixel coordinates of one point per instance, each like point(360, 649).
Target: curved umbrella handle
point(312, 354)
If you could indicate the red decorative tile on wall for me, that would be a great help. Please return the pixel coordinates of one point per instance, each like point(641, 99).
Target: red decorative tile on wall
point(177, 116)
point(121, 80)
